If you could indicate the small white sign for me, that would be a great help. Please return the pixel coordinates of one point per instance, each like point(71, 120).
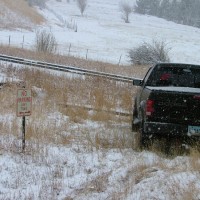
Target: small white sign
point(24, 102)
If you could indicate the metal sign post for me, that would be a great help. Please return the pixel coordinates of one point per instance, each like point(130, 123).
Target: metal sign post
point(24, 108)
point(23, 132)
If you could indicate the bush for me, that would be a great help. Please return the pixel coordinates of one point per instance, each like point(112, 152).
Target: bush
point(148, 53)
point(40, 3)
point(45, 42)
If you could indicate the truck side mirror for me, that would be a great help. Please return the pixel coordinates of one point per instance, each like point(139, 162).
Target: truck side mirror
point(137, 82)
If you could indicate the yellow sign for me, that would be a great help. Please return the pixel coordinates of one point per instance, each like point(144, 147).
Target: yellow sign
point(24, 102)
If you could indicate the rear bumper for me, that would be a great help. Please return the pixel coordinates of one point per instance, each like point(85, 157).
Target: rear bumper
point(164, 129)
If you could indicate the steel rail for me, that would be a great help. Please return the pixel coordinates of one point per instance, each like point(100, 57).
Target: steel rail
point(64, 68)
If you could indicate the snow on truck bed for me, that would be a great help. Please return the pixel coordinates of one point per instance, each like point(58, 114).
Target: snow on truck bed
point(176, 89)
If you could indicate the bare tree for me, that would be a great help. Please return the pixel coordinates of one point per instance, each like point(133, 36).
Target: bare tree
point(82, 4)
point(150, 53)
point(45, 42)
point(40, 3)
point(126, 10)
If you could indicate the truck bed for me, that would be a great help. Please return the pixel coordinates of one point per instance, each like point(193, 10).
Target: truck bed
point(181, 107)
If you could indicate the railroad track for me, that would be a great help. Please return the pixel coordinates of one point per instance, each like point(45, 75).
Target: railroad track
point(64, 68)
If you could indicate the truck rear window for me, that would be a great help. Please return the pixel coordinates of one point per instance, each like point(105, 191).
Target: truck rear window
point(175, 75)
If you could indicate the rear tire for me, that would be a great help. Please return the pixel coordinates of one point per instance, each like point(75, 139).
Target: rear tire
point(134, 127)
point(141, 142)
point(145, 141)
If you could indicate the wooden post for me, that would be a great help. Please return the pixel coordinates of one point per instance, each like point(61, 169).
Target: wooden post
point(86, 54)
point(69, 49)
point(23, 42)
point(24, 108)
point(120, 59)
point(9, 40)
point(23, 133)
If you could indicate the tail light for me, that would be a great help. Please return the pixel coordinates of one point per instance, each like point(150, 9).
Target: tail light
point(149, 107)
point(196, 97)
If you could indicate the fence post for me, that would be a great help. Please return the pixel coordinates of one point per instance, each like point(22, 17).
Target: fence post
point(23, 42)
point(23, 133)
point(69, 49)
point(86, 54)
point(9, 40)
point(120, 59)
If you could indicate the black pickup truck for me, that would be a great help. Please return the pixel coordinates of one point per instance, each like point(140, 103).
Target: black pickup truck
point(167, 102)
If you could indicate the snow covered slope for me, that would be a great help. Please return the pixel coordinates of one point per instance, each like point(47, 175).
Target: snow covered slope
point(103, 35)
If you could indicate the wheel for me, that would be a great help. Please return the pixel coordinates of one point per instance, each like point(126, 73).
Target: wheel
point(145, 141)
point(134, 127)
point(140, 140)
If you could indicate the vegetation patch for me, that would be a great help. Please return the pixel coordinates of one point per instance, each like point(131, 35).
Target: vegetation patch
point(18, 14)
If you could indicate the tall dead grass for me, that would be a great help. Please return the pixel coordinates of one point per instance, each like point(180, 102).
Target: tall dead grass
point(22, 8)
point(136, 71)
point(177, 191)
point(74, 97)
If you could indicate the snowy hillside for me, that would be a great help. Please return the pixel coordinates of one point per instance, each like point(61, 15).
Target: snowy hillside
point(18, 15)
point(103, 35)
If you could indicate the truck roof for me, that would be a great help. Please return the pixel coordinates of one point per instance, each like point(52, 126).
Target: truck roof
point(177, 64)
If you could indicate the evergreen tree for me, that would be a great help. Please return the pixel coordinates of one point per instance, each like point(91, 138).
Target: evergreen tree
point(180, 11)
point(165, 9)
point(154, 7)
point(175, 10)
point(195, 14)
point(142, 6)
point(186, 11)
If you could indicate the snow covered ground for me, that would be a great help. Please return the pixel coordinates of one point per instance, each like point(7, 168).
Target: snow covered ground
point(78, 167)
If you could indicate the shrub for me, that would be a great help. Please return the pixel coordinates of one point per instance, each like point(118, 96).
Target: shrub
point(149, 53)
point(40, 3)
point(45, 42)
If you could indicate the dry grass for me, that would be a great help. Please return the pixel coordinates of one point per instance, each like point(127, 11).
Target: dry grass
point(8, 92)
point(53, 93)
point(177, 191)
point(170, 147)
point(131, 71)
point(194, 160)
point(21, 7)
point(76, 114)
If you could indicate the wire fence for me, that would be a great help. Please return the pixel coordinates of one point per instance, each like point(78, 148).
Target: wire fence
point(27, 41)
point(6, 79)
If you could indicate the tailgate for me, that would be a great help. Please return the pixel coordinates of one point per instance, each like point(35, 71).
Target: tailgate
point(181, 107)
